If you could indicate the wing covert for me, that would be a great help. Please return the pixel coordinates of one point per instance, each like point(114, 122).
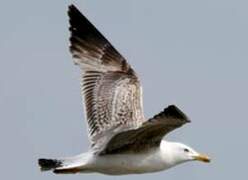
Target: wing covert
point(149, 135)
point(110, 88)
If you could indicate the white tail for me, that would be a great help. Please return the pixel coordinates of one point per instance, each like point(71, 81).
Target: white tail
point(69, 165)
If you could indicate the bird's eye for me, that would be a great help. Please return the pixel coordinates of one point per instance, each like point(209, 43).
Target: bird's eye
point(186, 150)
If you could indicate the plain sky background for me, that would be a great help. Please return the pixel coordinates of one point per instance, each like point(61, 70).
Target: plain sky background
point(190, 53)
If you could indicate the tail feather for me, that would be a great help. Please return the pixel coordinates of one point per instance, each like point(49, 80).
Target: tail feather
point(68, 170)
point(49, 164)
point(69, 165)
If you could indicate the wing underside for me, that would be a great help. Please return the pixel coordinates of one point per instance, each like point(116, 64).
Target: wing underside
point(112, 95)
point(110, 88)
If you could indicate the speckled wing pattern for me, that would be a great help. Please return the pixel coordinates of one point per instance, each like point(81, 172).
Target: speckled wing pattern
point(111, 89)
point(148, 135)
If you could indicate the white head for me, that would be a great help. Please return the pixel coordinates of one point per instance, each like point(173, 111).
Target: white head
point(178, 153)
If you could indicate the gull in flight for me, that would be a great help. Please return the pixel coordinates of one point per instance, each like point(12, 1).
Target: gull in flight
point(122, 140)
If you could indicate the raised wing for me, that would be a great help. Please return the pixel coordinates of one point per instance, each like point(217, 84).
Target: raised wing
point(110, 87)
point(149, 135)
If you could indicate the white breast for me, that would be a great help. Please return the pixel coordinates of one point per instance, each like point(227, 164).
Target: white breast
point(129, 163)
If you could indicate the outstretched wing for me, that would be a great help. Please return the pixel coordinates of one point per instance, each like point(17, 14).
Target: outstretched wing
point(110, 87)
point(149, 135)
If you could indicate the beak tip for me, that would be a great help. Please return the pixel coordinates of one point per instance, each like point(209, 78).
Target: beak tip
point(203, 158)
point(207, 161)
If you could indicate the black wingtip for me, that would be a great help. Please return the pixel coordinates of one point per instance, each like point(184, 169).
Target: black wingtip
point(80, 26)
point(175, 112)
point(73, 11)
point(48, 164)
point(72, 8)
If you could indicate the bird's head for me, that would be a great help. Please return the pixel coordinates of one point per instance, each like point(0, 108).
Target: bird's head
point(180, 153)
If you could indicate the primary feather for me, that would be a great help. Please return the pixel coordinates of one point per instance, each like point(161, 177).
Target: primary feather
point(111, 90)
point(122, 140)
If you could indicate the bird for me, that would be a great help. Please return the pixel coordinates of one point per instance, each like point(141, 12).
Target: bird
point(122, 140)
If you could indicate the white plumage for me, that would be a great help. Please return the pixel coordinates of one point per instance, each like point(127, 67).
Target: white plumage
point(122, 140)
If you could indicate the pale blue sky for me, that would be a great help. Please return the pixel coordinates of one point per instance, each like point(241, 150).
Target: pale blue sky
point(190, 53)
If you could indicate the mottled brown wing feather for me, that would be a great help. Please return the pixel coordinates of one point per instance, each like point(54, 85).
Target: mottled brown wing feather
point(149, 135)
point(110, 87)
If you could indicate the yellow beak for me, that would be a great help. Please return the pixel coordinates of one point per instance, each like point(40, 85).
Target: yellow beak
point(202, 158)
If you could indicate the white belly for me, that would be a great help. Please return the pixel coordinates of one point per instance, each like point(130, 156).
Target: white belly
point(128, 163)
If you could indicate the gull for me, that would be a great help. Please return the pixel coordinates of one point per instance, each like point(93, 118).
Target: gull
point(122, 140)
